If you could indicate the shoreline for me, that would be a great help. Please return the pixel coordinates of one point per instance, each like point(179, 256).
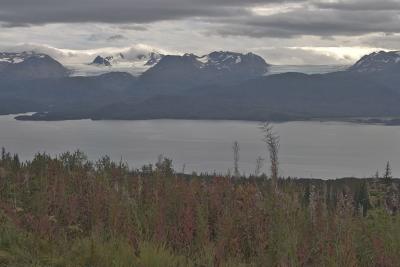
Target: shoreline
point(386, 121)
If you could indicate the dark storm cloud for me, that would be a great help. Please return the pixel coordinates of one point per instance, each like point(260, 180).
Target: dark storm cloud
point(119, 11)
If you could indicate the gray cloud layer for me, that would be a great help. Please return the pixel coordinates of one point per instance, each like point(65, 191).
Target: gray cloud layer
point(204, 25)
point(315, 22)
point(358, 5)
point(119, 11)
point(229, 17)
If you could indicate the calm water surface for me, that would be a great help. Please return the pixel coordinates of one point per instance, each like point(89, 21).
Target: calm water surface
point(308, 149)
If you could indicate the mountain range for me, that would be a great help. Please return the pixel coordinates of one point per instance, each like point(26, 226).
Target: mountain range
point(148, 59)
point(220, 85)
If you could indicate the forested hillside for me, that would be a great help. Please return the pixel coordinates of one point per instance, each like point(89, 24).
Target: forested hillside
point(68, 211)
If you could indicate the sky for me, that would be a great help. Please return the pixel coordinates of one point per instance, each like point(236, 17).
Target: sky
point(289, 32)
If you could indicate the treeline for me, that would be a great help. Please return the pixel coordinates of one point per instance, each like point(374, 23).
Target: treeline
point(68, 211)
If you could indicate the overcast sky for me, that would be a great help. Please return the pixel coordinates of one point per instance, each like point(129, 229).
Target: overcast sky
point(283, 32)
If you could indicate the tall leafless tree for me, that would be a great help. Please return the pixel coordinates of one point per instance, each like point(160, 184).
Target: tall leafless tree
point(236, 150)
point(271, 140)
point(259, 165)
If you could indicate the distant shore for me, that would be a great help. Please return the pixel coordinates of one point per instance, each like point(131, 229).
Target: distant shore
point(388, 121)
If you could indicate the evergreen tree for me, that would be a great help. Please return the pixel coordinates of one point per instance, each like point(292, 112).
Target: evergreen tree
point(362, 198)
point(388, 172)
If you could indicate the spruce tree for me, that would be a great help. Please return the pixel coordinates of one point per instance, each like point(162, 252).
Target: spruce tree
point(388, 172)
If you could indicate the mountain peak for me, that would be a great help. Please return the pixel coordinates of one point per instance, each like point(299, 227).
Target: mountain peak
point(216, 67)
point(101, 61)
point(30, 65)
point(108, 61)
point(231, 60)
point(377, 62)
point(153, 58)
point(15, 58)
point(118, 59)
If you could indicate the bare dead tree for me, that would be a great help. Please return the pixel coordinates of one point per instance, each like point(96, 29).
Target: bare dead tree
point(271, 140)
point(236, 150)
point(259, 165)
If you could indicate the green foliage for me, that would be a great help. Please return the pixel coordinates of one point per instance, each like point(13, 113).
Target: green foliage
point(67, 211)
point(159, 256)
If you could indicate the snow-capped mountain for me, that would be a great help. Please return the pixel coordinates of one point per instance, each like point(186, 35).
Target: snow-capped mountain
point(30, 65)
point(231, 61)
point(101, 61)
point(228, 61)
point(7, 59)
point(215, 62)
point(12, 58)
point(153, 58)
point(133, 63)
point(120, 59)
point(216, 67)
point(377, 62)
point(108, 61)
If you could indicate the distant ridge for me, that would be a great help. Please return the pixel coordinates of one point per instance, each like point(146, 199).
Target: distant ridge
point(219, 85)
point(216, 67)
point(30, 65)
point(377, 62)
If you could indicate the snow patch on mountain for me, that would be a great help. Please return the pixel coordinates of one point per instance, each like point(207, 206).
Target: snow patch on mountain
point(224, 60)
point(30, 65)
point(135, 64)
point(15, 58)
point(377, 62)
point(77, 60)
